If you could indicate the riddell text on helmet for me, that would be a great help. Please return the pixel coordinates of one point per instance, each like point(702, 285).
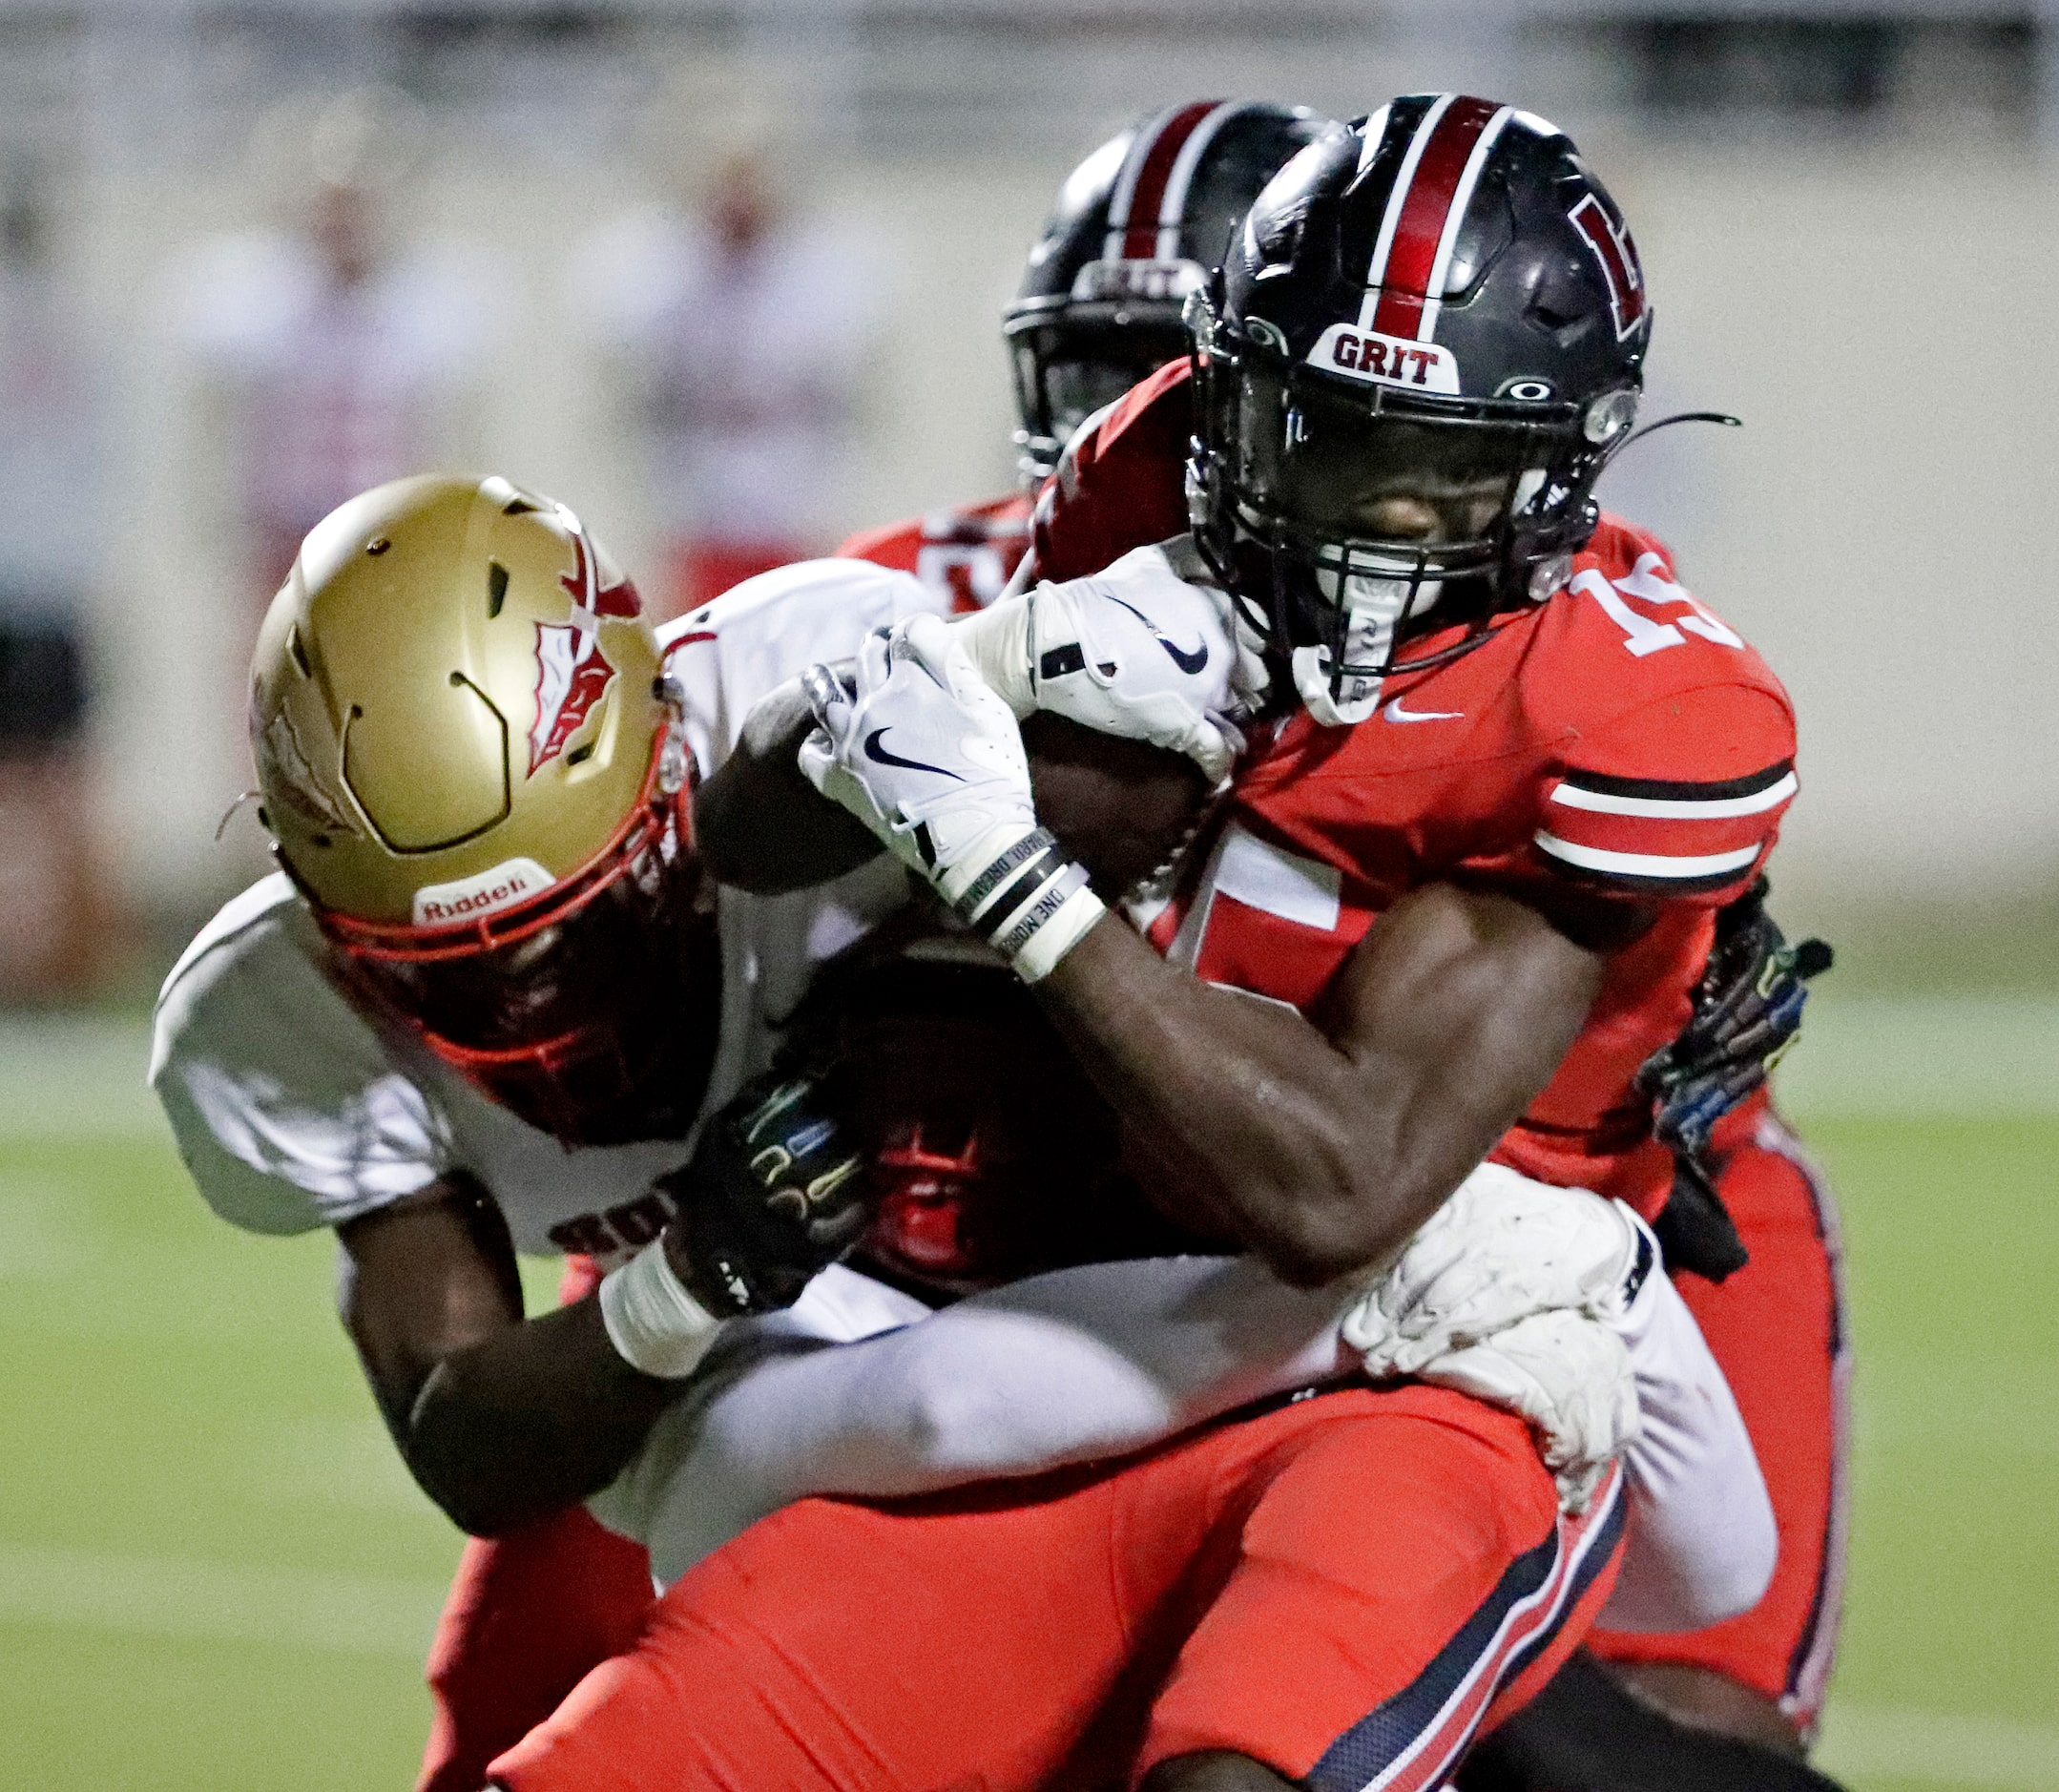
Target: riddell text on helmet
point(485, 892)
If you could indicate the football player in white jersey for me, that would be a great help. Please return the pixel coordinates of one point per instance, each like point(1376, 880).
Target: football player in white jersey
point(480, 1006)
point(481, 1010)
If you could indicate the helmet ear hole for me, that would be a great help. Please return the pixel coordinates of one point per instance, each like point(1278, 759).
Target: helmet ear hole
point(298, 648)
point(496, 589)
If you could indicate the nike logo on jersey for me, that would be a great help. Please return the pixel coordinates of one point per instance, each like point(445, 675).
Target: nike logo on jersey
point(1186, 661)
point(1394, 712)
point(875, 752)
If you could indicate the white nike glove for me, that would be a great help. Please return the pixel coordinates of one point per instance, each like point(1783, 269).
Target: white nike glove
point(1570, 1377)
point(931, 760)
point(1502, 1248)
point(1135, 650)
point(1520, 1294)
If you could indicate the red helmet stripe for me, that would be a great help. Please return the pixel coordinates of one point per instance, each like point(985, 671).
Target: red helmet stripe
point(1172, 207)
point(1424, 210)
point(1133, 208)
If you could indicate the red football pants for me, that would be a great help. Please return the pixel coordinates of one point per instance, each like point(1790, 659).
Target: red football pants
point(528, 1615)
point(1777, 1328)
point(1345, 1587)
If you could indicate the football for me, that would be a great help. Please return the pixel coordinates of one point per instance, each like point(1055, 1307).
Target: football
point(1119, 807)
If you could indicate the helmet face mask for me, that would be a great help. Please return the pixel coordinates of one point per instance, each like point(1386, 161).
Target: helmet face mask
point(1069, 368)
point(1381, 462)
point(577, 1012)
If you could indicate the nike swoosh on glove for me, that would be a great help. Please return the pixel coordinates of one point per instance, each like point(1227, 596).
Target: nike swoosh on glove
point(1134, 650)
point(921, 750)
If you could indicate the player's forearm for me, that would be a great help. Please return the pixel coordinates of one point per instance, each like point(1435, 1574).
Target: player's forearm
point(758, 822)
point(1323, 1150)
point(529, 1419)
point(498, 1418)
point(1241, 1103)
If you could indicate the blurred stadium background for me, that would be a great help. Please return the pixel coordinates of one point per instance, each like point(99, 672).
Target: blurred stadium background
point(212, 1570)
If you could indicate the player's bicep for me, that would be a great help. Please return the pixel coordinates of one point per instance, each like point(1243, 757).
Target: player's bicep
point(420, 1279)
point(1467, 1000)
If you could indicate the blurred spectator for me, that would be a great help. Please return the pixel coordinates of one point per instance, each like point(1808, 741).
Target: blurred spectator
point(742, 332)
point(52, 901)
point(346, 365)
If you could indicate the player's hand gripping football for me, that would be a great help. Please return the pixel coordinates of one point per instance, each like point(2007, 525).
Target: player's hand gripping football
point(1518, 1293)
point(772, 1194)
point(931, 760)
point(1134, 650)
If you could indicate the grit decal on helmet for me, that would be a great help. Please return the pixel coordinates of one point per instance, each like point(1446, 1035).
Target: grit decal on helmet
point(572, 672)
point(1364, 354)
point(1618, 258)
point(1426, 342)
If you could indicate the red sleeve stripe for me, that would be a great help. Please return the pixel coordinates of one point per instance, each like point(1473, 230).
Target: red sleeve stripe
point(1681, 808)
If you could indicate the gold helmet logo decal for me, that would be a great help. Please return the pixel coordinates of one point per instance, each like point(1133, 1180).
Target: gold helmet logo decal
point(572, 672)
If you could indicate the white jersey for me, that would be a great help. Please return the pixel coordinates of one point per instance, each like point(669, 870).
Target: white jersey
point(295, 1108)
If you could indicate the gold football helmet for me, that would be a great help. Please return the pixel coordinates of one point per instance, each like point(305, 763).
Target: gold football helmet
point(474, 770)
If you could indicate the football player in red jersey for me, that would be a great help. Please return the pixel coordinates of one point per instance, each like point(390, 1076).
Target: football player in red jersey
point(1466, 945)
point(1776, 1321)
point(1138, 225)
point(1616, 820)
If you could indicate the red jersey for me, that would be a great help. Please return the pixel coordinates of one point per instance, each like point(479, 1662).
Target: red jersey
point(1121, 481)
point(970, 551)
point(1618, 738)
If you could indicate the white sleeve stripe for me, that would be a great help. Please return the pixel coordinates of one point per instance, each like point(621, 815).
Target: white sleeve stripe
point(1677, 808)
point(1646, 863)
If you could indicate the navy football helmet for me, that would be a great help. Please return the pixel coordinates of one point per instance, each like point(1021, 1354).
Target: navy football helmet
point(1426, 340)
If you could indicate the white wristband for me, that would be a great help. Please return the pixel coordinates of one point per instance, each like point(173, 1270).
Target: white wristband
point(1038, 956)
point(654, 1323)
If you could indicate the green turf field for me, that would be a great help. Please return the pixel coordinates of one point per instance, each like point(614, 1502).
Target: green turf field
point(215, 1574)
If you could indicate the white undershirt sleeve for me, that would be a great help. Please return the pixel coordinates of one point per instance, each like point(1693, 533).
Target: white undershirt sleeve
point(1702, 1537)
point(1102, 1361)
point(1065, 1367)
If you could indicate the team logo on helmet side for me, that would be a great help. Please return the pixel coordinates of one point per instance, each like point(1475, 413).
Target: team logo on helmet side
point(293, 775)
point(1618, 258)
point(572, 672)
